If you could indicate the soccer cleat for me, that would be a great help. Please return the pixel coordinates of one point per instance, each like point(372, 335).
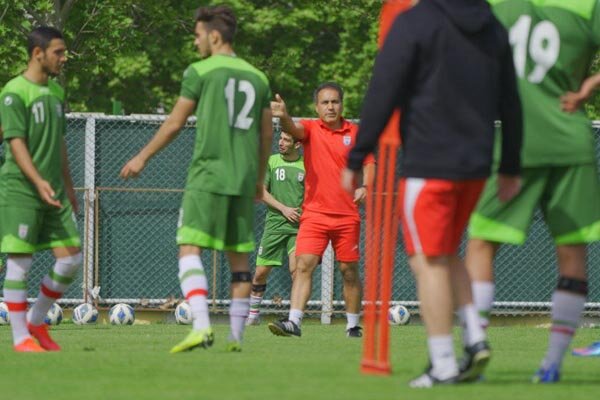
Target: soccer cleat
point(196, 338)
point(41, 334)
point(252, 321)
point(593, 350)
point(234, 346)
point(355, 331)
point(549, 375)
point(476, 358)
point(427, 380)
point(284, 327)
point(29, 346)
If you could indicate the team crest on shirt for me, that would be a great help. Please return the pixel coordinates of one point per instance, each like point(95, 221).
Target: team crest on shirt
point(23, 229)
point(300, 176)
point(59, 110)
point(8, 101)
point(347, 140)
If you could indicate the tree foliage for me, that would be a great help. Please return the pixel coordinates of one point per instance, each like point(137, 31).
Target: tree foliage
point(135, 51)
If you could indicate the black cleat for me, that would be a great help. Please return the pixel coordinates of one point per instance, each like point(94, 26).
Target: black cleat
point(475, 360)
point(285, 327)
point(355, 331)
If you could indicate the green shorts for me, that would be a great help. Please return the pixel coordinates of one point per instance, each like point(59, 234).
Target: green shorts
point(273, 247)
point(216, 221)
point(569, 198)
point(27, 230)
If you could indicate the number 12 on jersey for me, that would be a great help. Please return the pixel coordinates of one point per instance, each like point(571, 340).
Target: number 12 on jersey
point(241, 120)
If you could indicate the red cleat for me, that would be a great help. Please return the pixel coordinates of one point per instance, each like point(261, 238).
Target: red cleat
point(29, 346)
point(40, 332)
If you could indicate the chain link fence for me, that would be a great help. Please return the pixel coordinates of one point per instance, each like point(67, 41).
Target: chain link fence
point(128, 234)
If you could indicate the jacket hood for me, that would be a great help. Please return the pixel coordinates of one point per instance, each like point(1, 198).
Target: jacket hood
point(468, 15)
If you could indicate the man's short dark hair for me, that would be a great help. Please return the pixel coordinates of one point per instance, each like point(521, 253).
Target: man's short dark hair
point(294, 140)
point(41, 37)
point(328, 85)
point(219, 18)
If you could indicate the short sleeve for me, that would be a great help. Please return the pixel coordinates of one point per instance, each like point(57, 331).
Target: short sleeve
point(191, 86)
point(369, 159)
point(13, 116)
point(307, 124)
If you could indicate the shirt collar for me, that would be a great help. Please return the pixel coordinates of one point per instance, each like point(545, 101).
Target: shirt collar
point(346, 126)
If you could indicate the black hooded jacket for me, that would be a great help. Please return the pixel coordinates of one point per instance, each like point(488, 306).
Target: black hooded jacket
point(447, 65)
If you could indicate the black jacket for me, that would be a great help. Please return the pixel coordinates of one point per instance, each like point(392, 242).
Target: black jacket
point(448, 66)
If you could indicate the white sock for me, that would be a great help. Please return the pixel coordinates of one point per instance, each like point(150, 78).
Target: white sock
point(483, 298)
point(54, 284)
point(566, 313)
point(472, 330)
point(255, 302)
point(238, 312)
point(352, 320)
point(296, 316)
point(441, 353)
point(15, 295)
point(194, 287)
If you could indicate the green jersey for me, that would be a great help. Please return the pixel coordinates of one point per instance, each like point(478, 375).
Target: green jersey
point(231, 95)
point(553, 43)
point(284, 181)
point(35, 113)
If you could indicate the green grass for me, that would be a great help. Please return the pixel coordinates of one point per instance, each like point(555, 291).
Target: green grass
point(132, 362)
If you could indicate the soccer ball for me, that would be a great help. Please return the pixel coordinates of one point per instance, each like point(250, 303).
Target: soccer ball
point(121, 314)
point(4, 317)
point(85, 314)
point(54, 316)
point(183, 314)
point(398, 315)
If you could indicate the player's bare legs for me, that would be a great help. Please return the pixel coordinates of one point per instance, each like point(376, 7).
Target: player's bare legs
point(568, 301)
point(194, 287)
point(301, 289)
point(434, 288)
point(352, 297)
point(480, 266)
point(477, 351)
point(54, 284)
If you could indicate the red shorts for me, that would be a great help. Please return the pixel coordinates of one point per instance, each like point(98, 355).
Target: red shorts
point(435, 213)
point(317, 229)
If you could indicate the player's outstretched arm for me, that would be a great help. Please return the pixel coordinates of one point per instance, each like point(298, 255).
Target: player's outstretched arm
point(287, 123)
point(290, 213)
point(166, 133)
point(66, 174)
point(18, 147)
point(571, 101)
point(264, 150)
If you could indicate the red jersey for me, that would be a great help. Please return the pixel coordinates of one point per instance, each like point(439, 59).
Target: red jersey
point(325, 156)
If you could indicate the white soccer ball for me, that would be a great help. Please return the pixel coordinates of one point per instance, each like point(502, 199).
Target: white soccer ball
point(85, 314)
point(4, 316)
point(121, 314)
point(398, 315)
point(54, 315)
point(183, 314)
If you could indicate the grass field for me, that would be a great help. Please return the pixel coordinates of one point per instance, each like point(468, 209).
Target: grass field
point(132, 362)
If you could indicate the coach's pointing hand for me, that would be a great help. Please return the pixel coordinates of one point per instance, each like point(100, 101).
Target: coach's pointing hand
point(278, 107)
point(133, 167)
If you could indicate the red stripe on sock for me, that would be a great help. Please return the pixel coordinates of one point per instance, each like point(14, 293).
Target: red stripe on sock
point(16, 306)
point(563, 330)
point(196, 292)
point(50, 293)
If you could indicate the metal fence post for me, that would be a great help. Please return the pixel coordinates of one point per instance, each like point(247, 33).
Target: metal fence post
point(327, 285)
point(89, 196)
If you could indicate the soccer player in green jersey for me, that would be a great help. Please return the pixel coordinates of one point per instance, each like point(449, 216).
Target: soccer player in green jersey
point(37, 200)
point(230, 99)
point(284, 192)
point(553, 43)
